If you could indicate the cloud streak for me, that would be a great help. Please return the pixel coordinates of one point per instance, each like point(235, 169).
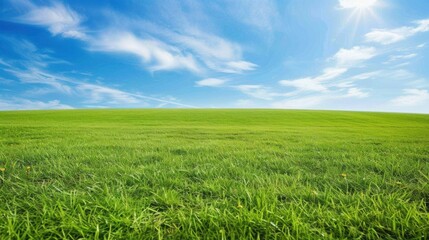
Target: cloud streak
point(189, 47)
point(26, 104)
point(34, 74)
point(389, 36)
point(57, 18)
point(412, 97)
point(259, 91)
point(211, 50)
point(211, 82)
point(154, 53)
point(353, 56)
point(314, 83)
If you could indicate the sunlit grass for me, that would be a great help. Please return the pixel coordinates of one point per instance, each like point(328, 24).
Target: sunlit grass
point(144, 174)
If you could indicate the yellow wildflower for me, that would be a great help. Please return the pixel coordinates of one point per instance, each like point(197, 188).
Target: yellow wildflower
point(343, 175)
point(2, 169)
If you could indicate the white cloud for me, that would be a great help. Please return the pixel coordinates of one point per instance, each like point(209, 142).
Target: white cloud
point(28, 53)
point(35, 75)
point(25, 104)
point(314, 83)
point(356, 3)
point(258, 91)
point(422, 26)
point(344, 60)
point(101, 94)
point(386, 37)
point(59, 19)
point(300, 103)
point(348, 84)
point(367, 75)
point(412, 97)
point(238, 66)
point(402, 64)
point(313, 101)
point(356, 92)
point(304, 84)
point(330, 73)
point(188, 28)
point(185, 42)
point(401, 57)
point(191, 28)
point(87, 92)
point(156, 54)
point(389, 36)
point(354, 56)
point(4, 63)
point(190, 50)
point(216, 53)
point(211, 82)
point(206, 45)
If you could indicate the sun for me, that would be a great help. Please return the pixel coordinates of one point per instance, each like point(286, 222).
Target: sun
point(358, 4)
point(360, 14)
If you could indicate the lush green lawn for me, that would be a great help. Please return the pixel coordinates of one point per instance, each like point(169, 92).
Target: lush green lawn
point(136, 174)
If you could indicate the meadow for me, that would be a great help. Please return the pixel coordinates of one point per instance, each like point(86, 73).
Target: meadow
point(213, 174)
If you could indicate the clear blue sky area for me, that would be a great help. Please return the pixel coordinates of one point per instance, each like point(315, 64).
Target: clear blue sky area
point(367, 55)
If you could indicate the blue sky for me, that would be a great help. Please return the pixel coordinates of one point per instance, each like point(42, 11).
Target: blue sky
point(369, 55)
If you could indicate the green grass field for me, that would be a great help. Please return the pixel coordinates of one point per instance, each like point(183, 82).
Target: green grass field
point(213, 174)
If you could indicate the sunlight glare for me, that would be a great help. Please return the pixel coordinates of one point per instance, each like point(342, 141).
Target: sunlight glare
point(357, 4)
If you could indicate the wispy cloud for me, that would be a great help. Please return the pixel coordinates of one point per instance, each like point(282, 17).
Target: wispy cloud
point(101, 94)
point(314, 83)
point(97, 94)
point(353, 56)
point(314, 101)
point(25, 104)
point(394, 58)
point(28, 53)
point(331, 84)
point(389, 36)
point(356, 92)
point(88, 92)
point(211, 82)
point(154, 53)
point(301, 102)
point(35, 75)
point(211, 50)
point(237, 66)
point(189, 46)
point(57, 18)
point(344, 59)
point(189, 26)
point(216, 53)
point(412, 97)
point(258, 91)
point(365, 75)
point(32, 73)
point(4, 63)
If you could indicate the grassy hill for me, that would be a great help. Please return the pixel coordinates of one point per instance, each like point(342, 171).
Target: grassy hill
point(144, 174)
